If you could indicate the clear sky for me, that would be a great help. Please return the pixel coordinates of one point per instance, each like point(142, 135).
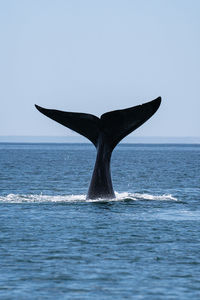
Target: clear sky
point(99, 55)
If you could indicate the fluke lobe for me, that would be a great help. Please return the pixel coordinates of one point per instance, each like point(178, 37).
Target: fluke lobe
point(105, 133)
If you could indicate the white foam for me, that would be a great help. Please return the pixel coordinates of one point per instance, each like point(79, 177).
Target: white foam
point(154, 197)
point(17, 198)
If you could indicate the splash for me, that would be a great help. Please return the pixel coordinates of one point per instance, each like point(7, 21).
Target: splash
point(17, 198)
point(138, 196)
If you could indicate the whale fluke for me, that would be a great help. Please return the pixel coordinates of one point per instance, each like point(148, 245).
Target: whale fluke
point(105, 133)
point(85, 124)
point(119, 123)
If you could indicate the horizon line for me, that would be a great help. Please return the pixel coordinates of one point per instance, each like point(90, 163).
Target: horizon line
point(80, 139)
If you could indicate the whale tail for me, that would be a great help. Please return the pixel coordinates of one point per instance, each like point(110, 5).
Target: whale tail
point(114, 125)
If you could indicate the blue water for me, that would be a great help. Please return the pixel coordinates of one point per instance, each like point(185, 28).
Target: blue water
point(145, 244)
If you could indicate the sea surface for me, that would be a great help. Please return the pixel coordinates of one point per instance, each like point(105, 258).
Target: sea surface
point(144, 244)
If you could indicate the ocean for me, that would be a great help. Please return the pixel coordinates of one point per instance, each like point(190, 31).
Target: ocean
point(54, 244)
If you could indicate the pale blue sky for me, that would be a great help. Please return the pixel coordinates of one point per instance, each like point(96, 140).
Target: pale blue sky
point(94, 56)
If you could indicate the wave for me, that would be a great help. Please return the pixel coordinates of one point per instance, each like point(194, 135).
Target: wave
point(17, 198)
